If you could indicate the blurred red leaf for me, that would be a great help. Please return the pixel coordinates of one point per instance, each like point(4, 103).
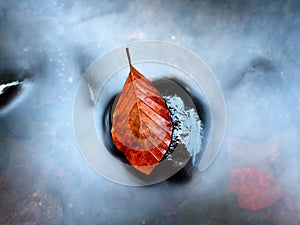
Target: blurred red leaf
point(254, 189)
point(141, 123)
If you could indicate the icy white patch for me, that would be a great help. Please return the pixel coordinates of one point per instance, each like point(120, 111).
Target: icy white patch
point(3, 86)
point(188, 129)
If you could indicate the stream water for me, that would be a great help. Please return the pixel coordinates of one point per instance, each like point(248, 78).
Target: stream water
point(251, 46)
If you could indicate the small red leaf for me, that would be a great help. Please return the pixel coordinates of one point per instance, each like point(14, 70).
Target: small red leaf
point(254, 189)
point(141, 123)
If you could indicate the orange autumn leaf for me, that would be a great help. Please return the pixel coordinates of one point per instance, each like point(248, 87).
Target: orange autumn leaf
point(254, 189)
point(141, 123)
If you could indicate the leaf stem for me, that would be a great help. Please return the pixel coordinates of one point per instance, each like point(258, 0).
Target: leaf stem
point(128, 56)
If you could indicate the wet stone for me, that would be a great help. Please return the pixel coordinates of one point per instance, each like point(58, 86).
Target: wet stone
point(185, 148)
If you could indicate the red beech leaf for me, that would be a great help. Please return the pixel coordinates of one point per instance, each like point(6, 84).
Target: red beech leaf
point(254, 189)
point(141, 123)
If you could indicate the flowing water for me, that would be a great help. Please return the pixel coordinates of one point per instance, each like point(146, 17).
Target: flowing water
point(251, 46)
